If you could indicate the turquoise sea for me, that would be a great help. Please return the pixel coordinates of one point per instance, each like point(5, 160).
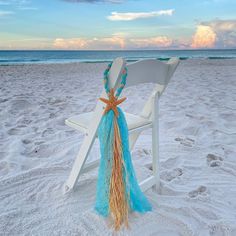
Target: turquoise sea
point(37, 56)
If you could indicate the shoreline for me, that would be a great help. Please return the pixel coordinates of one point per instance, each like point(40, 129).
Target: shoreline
point(106, 61)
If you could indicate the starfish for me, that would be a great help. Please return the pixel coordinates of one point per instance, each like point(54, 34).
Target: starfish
point(112, 102)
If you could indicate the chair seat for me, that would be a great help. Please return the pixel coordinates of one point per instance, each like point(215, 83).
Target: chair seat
point(81, 122)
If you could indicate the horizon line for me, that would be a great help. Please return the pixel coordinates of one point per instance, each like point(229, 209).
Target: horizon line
point(107, 50)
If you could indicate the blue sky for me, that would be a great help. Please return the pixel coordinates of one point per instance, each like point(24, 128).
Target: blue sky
point(117, 24)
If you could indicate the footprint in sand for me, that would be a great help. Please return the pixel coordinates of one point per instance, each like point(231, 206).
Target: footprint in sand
point(56, 101)
point(169, 163)
point(201, 190)
point(147, 152)
point(26, 141)
point(213, 160)
point(24, 121)
point(3, 100)
point(52, 115)
point(188, 142)
point(13, 131)
point(170, 175)
point(47, 132)
point(19, 105)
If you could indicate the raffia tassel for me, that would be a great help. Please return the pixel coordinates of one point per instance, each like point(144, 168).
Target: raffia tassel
point(118, 201)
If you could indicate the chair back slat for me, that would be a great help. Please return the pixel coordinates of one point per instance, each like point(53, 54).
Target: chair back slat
point(115, 72)
point(150, 71)
point(172, 63)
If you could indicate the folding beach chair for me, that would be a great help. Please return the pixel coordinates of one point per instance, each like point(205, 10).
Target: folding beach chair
point(143, 71)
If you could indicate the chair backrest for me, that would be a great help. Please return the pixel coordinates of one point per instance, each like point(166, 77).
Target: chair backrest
point(115, 71)
point(151, 71)
point(144, 71)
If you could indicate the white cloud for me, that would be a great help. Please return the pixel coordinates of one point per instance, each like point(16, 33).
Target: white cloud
point(117, 16)
point(216, 33)
point(74, 43)
point(14, 2)
point(28, 8)
point(4, 3)
point(116, 41)
point(19, 4)
point(6, 13)
point(204, 37)
point(113, 42)
point(221, 25)
point(153, 42)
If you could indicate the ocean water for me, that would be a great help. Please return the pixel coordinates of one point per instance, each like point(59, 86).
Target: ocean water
point(22, 57)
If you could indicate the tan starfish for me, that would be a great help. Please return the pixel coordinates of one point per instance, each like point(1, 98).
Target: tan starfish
point(112, 102)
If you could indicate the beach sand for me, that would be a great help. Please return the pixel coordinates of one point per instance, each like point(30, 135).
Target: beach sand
point(197, 149)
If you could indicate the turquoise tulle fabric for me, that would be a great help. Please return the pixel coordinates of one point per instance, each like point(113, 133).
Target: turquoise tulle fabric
point(137, 200)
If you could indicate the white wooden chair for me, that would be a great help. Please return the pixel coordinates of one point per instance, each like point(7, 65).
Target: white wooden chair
point(144, 71)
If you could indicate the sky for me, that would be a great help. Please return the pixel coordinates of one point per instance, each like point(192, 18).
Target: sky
point(117, 24)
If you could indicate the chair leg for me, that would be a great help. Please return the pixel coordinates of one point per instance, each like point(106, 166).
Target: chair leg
point(79, 162)
point(155, 143)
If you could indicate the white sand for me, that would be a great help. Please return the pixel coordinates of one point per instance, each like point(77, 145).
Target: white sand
point(197, 147)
